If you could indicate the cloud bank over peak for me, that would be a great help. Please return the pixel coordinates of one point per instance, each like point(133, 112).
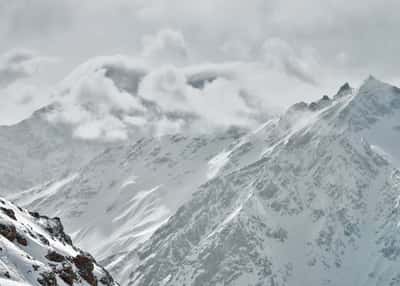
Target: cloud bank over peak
point(162, 89)
point(111, 97)
point(209, 63)
point(95, 107)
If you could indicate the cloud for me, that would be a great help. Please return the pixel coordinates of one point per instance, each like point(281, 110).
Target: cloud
point(19, 64)
point(20, 100)
point(322, 50)
point(98, 100)
point(219, 30)
point(279, 54)
point(217, 104)
point(19, 97)
point(287, 51)
point(26, 19)
point(166, 47)
point(93, 104)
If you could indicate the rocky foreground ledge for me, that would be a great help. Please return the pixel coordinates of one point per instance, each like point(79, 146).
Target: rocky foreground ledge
point(35, 250)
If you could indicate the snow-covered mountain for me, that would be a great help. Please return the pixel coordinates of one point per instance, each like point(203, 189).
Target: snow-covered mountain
point(319, 206)
point(34, 151)
point(307, 198)
point(34, 250)
point(125, 193)
point(111, 195)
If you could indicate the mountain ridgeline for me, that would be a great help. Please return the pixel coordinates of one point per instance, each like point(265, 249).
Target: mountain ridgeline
point(308, 198)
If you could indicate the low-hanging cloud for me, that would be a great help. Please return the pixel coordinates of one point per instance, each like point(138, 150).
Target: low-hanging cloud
point(300, 65)
point(19, 64)
point(100, 104)
point(167, 46)
point(323, 51)
point(288, 51)
point(93, 105)
point(18, 96)
point(218, 103)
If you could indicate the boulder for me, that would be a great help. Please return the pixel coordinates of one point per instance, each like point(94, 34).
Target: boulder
point(8, 231)
point(47, 279)
point(21, 240)
point(55, 257)
point(67, 274)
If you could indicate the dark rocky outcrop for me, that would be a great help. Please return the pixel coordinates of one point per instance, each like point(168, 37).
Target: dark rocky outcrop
point(8, 231)
point(55, 228)
point(53, 260)
point(21, 240)
point(344, 90)
point(67, 274)
point(55, 257)
point(8, 212)
point(47, 279)
point(86, 266)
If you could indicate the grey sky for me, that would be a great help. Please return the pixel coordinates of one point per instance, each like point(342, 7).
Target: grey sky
point(312, 46)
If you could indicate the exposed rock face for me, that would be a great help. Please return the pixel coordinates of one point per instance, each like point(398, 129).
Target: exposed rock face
point(55, 257)
point(68, 275)
point(47, 279)
point(20, 239)
point(8, 231)
point(36, 251)
point(8, 212)
point(85, 265)
point(344, 90)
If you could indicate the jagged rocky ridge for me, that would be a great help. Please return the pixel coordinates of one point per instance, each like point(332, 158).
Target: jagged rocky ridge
point(35, 250)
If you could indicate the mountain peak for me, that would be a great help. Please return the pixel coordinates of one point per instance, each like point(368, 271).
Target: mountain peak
point(344, 90)
point(372, 83)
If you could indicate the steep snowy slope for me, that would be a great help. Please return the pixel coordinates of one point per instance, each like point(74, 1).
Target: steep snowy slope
point(125, 193)
point(318, 207)
point(34, 250)
point(34, 151)
point(376, 113)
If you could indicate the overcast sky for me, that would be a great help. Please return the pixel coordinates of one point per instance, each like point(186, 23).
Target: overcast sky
point(296, 49)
